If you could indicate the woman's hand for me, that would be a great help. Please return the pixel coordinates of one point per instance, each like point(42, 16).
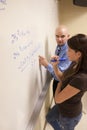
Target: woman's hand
point(54, 60)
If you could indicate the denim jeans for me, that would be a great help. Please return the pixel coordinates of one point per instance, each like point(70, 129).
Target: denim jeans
point(58, 122)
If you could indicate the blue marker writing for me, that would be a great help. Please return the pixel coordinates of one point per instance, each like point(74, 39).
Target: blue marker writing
point(61, 59)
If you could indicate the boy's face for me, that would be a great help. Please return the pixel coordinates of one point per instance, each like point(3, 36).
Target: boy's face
point(61, 36)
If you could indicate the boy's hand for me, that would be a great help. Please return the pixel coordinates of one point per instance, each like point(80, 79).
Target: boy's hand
point(43, 61)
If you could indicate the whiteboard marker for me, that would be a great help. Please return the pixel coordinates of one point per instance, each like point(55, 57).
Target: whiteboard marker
point(61, 59)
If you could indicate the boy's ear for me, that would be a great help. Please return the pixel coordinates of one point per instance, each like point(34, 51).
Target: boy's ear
point(68, 36)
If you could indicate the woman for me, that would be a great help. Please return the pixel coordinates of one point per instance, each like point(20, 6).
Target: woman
point(67, 112)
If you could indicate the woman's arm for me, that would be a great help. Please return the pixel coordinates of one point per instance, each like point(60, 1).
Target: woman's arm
point(68, 92)
point(57, 72)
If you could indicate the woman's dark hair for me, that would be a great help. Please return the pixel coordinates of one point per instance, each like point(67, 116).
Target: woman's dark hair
point(78, 43)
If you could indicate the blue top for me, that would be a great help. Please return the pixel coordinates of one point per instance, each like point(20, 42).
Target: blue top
point(63, 64)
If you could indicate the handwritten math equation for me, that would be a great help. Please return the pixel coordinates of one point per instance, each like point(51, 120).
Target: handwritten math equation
point(18, 35)
point(2, 4)
point(25, 51)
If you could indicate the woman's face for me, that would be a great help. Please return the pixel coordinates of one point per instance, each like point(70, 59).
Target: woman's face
point(73, 55)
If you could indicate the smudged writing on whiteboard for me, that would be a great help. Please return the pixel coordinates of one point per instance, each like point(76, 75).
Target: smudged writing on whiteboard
point(3, 1)
point(29, 60)
point(21, 48)
point(25, 50)
point(19, 34)
point(2, 4)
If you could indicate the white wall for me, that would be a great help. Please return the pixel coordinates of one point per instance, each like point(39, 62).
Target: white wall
point(73, 16)
point(26, 31)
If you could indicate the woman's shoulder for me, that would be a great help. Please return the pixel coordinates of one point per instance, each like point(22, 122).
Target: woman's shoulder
point(81, 75)
point(79, 81)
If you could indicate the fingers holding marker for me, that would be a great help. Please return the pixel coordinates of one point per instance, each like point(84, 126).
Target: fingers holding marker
point(60, 59)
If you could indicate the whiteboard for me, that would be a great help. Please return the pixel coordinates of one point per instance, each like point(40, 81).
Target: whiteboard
point(24, 35)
